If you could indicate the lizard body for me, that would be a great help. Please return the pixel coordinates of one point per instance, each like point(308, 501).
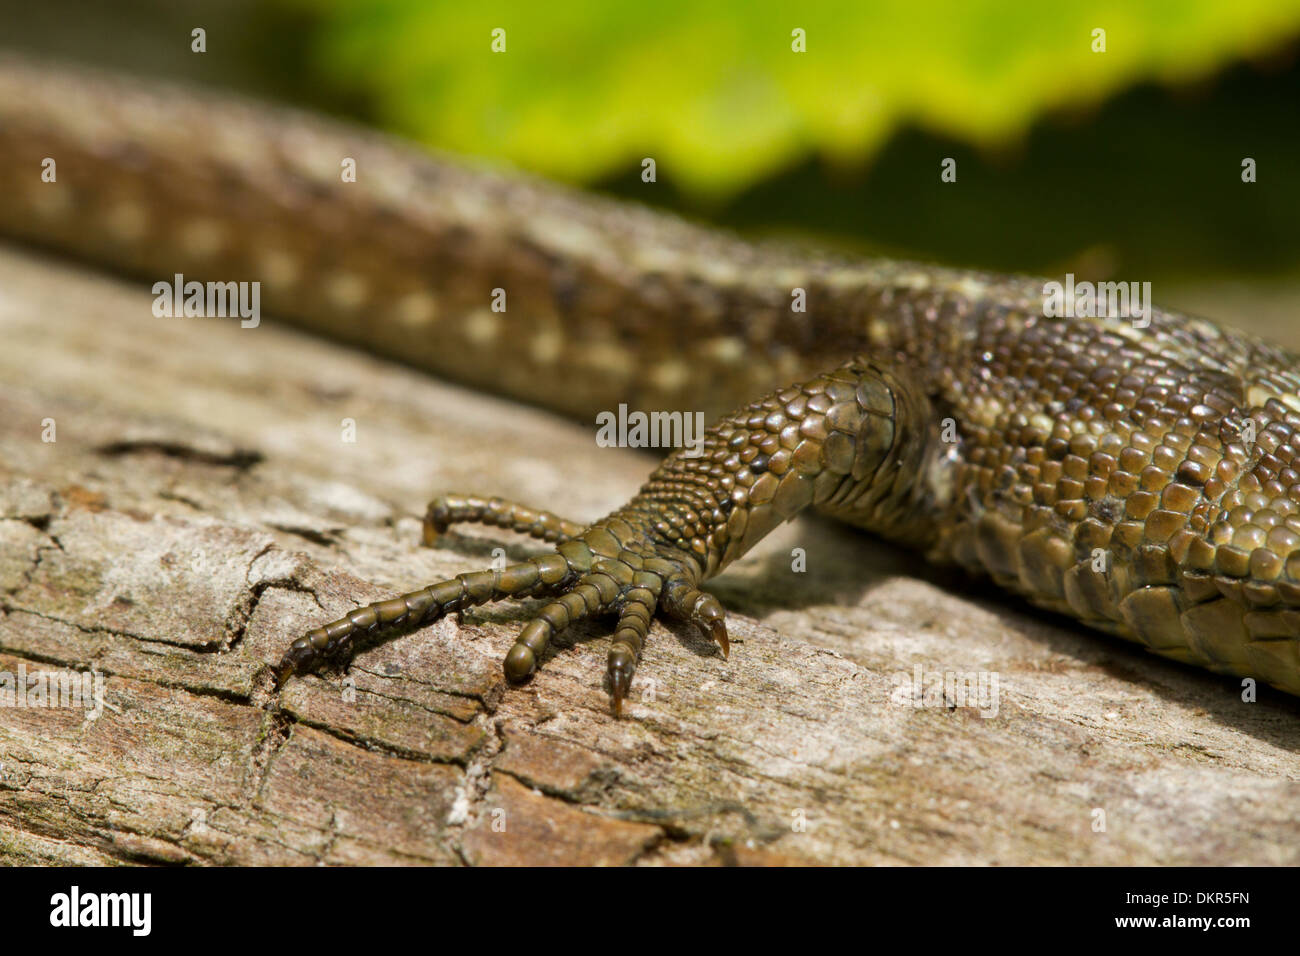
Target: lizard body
point(1141, 480)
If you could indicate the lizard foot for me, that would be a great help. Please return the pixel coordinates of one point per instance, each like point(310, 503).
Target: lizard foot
point(612, 567)
point(850, 441)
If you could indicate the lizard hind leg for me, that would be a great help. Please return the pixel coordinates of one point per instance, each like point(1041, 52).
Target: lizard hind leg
point(852, 441)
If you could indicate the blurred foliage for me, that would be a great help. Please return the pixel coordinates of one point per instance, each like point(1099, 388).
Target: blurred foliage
point(713, 91)
point(1130, 166)
point(1148, 183)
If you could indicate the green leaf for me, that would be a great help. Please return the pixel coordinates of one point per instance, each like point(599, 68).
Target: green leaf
point(715, 94)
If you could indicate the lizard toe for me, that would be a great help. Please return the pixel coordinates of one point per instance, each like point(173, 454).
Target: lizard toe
point(683, 601)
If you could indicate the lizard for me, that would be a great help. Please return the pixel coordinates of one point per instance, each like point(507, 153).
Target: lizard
point(1138, 477)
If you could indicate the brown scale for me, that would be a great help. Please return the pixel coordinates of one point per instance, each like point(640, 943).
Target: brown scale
point(1142, 480)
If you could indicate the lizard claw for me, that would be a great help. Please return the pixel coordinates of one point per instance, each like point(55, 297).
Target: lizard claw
point(718, 631)
point(620, 681)
point(684, 602)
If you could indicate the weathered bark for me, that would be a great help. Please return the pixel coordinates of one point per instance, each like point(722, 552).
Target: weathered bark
point(199, 510)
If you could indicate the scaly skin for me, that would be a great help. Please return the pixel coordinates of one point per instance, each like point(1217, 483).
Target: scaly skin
point(1142, 480)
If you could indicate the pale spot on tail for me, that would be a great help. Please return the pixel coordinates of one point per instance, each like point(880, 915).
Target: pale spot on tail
point(417, 309)
point(565, 236)
point(670, 376)
point(971, 288)
point(51, 201)
point(728, 350)
point(279, 269)
point(202, 238)
point(546, 346)
point(652, 258)
point(789, 279)
point(127, 221)
point(608, 358)
point(718, 271)
point(482, 326)
point(347, 291)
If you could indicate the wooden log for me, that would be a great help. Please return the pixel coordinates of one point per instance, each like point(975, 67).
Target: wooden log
point(199, 509)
